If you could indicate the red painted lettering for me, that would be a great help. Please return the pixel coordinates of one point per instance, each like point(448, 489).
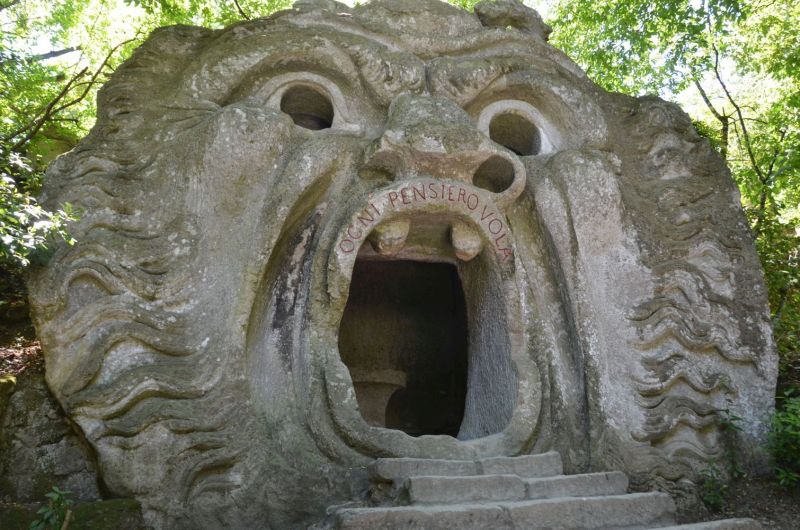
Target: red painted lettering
point(347, 246)
point(404, 195)
point(365, 218)
point(485, 215)
point(392, 197)
point(420, 192)
point(450, 194)
point(354, 236)
point(462, 195)
point(432, 190)
point(469, 201)
point(499, 226)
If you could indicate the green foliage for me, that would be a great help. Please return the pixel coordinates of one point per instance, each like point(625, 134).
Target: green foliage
point(729, 429)
point(54, 56)
point(714, 479)
point(209, 14)
point(25, 227)
point(635, 45)
point(784, 439)
point(778, 245)
point(713, 486)
point(733, 64)
point(464, 4)
point(51, 516)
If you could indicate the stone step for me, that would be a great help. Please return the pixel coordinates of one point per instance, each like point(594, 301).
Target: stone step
point(529, 466)
point(483, 488)
point(723, 524)
point(586, 485)
point(455, 490)
point(610, 512)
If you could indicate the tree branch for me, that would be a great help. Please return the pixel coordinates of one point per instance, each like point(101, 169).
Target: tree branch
point(54, 107)
point(52, 54)
point(722, 118)
point(240, 10)
point(33, 126)
point(745, 135)
point(784, 296)
point(765, 187)
point(93, 80)
point(39, 57)
point(10, 4)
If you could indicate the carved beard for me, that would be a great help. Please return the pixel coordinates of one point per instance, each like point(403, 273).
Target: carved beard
point(200, 335)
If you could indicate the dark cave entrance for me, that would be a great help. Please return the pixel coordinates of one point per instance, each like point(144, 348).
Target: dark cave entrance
point(404, 338)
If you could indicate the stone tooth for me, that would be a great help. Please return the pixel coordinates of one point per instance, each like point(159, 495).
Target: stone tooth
point(389, 238)
point(466, 241)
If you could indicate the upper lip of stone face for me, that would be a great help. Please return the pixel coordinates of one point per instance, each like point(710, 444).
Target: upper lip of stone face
point(388, 218)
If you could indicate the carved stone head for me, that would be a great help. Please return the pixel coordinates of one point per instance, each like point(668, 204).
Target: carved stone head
point(335, 234)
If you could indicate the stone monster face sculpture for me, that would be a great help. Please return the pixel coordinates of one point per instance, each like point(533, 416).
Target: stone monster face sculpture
point(402, 229)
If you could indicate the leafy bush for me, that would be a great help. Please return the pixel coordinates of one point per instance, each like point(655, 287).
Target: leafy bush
point(730, 427)
point(25, 226)
point(52, 516)
point(713, 486)
point(713, 480)
point(784, 439)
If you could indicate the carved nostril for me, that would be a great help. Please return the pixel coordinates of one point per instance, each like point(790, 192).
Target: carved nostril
point(516, 133)
point(496, 174)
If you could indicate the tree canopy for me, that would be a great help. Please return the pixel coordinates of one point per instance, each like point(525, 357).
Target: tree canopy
point(734, 65)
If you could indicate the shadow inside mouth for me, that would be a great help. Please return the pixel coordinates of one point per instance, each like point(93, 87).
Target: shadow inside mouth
point(429, 332)
point(404, 337)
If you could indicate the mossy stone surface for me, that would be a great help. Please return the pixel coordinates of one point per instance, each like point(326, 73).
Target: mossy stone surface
point(7, 384)
point(114, 514)
point(17, 516)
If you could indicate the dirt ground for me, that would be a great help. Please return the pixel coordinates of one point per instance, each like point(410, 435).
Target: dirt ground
point(20, 353)
point(19, 349)
point(761, 499)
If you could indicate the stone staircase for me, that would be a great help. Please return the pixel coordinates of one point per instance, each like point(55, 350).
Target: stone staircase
point(524, 492)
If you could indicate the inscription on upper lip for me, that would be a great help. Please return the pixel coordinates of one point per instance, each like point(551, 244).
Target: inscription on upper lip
point(433, 192)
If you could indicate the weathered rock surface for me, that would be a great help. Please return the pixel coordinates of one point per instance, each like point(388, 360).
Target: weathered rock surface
point(430, 213)
point(38, 447)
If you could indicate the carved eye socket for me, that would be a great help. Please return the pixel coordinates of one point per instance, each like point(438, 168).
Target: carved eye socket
point(312, 101)
point(516, 133)
point(308, 107)
point(519, 127)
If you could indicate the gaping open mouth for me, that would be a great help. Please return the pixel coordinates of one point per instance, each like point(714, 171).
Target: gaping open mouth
point(404, 340)
point(429, 333)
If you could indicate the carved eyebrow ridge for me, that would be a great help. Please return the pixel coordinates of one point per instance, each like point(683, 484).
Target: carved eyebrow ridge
point(238, 71)
point(464, 78)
